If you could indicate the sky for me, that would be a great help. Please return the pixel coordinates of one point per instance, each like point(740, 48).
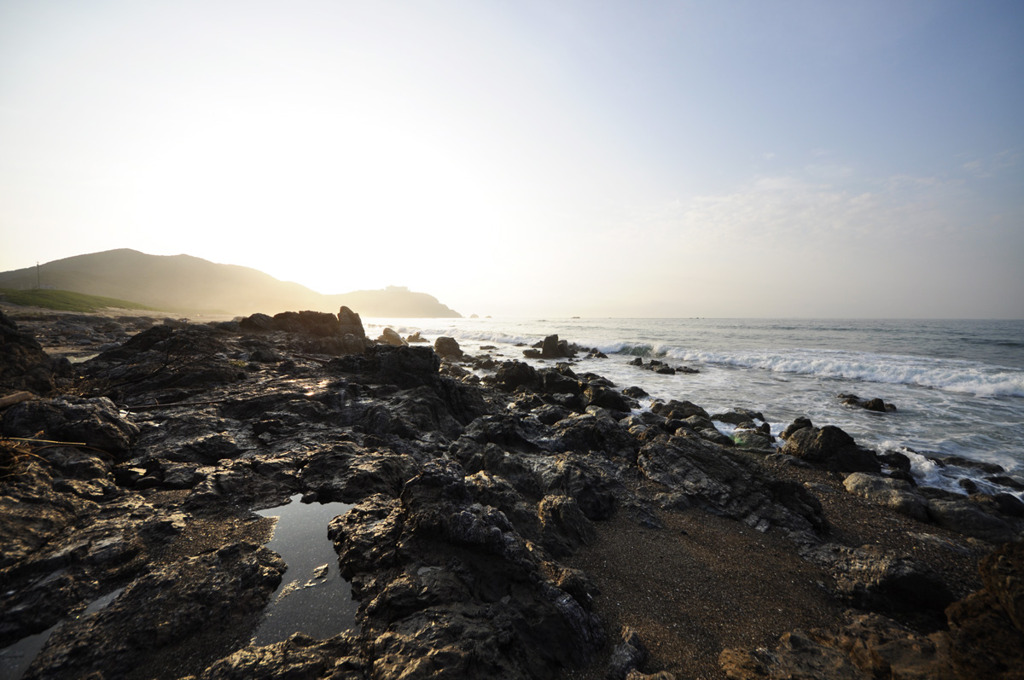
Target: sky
point(534, 158)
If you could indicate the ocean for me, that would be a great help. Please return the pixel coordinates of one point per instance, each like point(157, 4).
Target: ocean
point(958, 385)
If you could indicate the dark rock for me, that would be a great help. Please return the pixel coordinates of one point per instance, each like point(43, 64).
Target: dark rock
point(830, 448)
point(678, 410)
point(307, 322)
point(212, 599)
point(89, 422)
point(560, 381)
point(870, 579)
point(629, 655)
point(738, 416)
point(798, 424)
point(553, 348)
point(607, 398)
point(699, 473)
point(23, 363)
point(960, 514)
point(513, 374)
point(875, 404)
point(985, 628)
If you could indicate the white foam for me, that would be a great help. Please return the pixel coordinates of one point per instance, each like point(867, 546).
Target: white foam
point(944, 374)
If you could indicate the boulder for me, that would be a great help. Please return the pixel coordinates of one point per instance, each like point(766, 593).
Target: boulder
point(830, 448)
point(349, 323)
point(892, 493)
point(390, 337)
point(448, 348)
point(553, 348)
point(307, 322)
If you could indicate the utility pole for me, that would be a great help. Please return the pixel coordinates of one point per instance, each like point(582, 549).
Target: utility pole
point(38, 285)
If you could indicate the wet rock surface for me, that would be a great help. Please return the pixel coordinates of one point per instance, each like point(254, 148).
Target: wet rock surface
point(499, 510)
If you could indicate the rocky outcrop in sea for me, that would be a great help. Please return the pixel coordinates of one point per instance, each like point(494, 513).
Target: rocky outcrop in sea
point(505, 520)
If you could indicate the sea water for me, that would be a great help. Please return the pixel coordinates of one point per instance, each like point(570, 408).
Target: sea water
point(958, 385)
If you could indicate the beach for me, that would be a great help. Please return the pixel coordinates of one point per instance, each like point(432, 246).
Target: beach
point(515, 504)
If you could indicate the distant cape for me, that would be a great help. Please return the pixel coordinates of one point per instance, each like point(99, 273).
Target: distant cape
point(191, 285)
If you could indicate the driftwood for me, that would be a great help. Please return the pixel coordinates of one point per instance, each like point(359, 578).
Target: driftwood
point(17, 397)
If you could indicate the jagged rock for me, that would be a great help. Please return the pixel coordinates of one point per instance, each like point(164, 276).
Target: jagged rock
point(563, 524)
point(830, 448)
point(553, 348)
point(90, 422)
point(214, 597)
point(696, 472)
point(892, 493)
point(456, 554)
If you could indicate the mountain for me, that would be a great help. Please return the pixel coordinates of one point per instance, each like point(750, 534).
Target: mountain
point(186, 284)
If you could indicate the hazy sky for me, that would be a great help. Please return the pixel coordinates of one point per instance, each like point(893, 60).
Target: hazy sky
point(761, 158)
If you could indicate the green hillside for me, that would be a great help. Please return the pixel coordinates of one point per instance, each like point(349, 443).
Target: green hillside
point(66, 301)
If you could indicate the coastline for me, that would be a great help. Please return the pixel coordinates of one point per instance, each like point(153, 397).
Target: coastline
point(534, 514)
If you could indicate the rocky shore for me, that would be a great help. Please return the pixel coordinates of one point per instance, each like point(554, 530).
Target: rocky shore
point(507, 520)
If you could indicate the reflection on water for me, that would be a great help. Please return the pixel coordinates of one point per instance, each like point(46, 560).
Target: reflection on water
point(312, 598)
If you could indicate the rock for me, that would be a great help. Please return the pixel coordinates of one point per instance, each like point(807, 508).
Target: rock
point(447, 348)
point(869, 646)
point(23, 363)
point(415, 337)
point(257, 323)
point(738, 416)
point(212, 600)
point(628, 656)
point(553, 348)
point(798, 424)
point(892, 493)
point(753, 439)
point(350, 324)
point(564, 525)
point(607, 398)
point(870, 579)
point(969, 518)
point(300, 656)
point(699, 473)
point(830, 448)
point(987, 638)
point(311, 323)
point(513, 374)
point(390, 337)
point(875, 404)
point(679, 410)
point(90, 422)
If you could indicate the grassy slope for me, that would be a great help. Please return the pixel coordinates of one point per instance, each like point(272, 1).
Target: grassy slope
point(66, 301)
